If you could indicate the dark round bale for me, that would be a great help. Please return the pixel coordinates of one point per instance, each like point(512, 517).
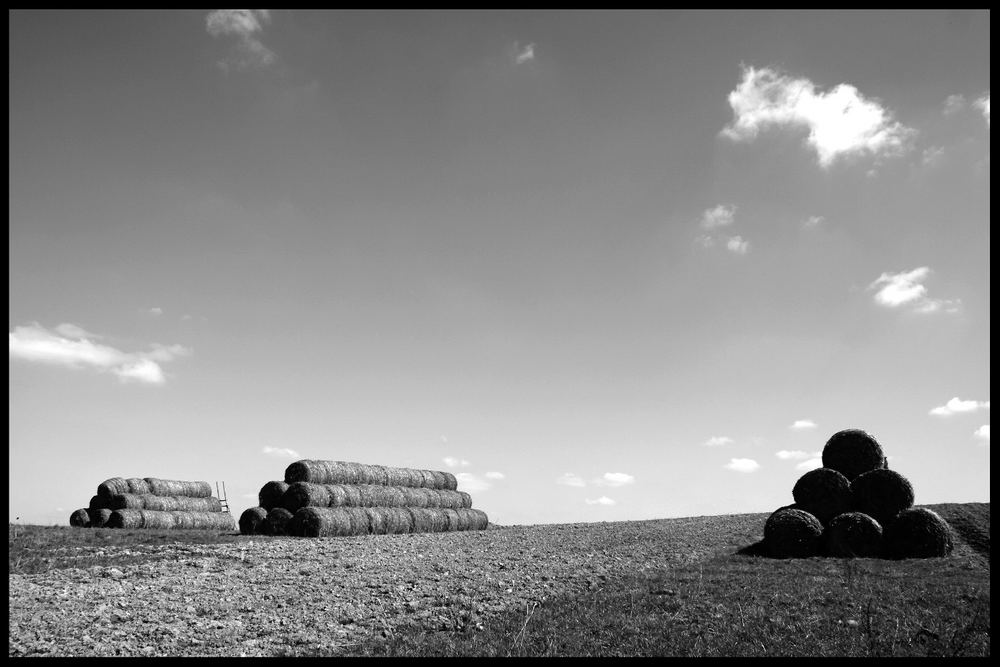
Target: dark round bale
point(252, 521)
point(852, 452)
point(300, 471)
point(138, 486)
point(338, 495)
point(918, 533)
point(792, 533)
point(98, 517)
point(295, 527)
point(853, 535)
point(115, 486)
point(99, 503)
point(126, 501)
point(881, 494)
point(125, 519)
point(450, 519)
point(324, 522)
point(305, 494)
point(277, 521)
point(79, 519)
point(450, 481)
point(824, 493)
point(270, 494)
point(377, 520)
point(427, 520)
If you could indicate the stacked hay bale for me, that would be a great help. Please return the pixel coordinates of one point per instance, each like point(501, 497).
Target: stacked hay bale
point(340, 498)
point(855, 507)
point(153, 503)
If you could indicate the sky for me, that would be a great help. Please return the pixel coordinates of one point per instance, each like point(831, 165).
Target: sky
point(602, 266)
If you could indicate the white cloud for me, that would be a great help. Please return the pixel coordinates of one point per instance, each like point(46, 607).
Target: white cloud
point(897, 289)
point(614, 479)
point(983, 104)
point(70, 346)
point(603, 500)
point(840, 122)
point(801, 424)
point(494, 475)
point(471, 483)
point(522, 54)
point(453, 462)
point(569, 479)
point(280, 452)
point(957, 405)
point(953, 104)
point(811, 464)
point(813, 221)
point(737, 245)
point(983, 433)
point(932, 156)
point(719, 216)
point(796, 454)
point(742, 465)
point(718, 441)
point(155, 311)
point(243, 24)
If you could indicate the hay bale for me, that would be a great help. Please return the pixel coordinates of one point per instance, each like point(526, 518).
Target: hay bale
point(477, 519)
point(426, 479)
point(370, 495)
point(450, 520)
point(305, 494)
point(396, 476)
point(175, 487)
point(881, 494)
point(79, 519)
point(252, 521)
point(853, 535)
point(300, 471)
point(185, 520)
point(270, 494)
point(161, 503)
point(398, 520)
point(155, 519)
point(426, 520)
point(324, 522)
point(379, 475)
point(99, 503)
point(338, 495)
point(852, 452)
point(138, 486)
point(98, 517)
point(377, 520)
point(440, 482)
point(352, 495)
point(450, 481)
point(294, 526)
point(276, 522)
point(125, 519)
point(413, 496)
point(126, 501)
point(791, 533)
point(824, 493)
point(465, 499)
point(115, 486)
point(918, 533)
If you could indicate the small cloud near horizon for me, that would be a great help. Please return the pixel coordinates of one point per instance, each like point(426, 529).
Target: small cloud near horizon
point(906, 288)
point(522, 54)
point(718, 441)
point(614, 479)
point(453, 462)
point(803, 424)
point(957, 405)
point(722, 215)
point(742, 465)
point(570, 479)
point(603, 500)
point(280, 452)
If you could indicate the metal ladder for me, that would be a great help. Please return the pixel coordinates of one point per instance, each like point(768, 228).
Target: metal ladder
point(223, 500)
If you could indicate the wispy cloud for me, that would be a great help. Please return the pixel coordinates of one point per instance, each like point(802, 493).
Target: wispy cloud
point(813, 221)
point(932, 156)
point(280, 452)
point(522, 54)
point(793, 455)
point(906, 288)
point(614, 479)
point(841, 122)
point(453, 462)
point(569, 479)
point(953, 104)
point(71, 347)
point(472, 483)
point(718, 441)
point(494, 475)
point(957, 405)
point(154, 311)
point(737, 245)
point(803, 424)
point(742, 465)
point(811, 464)
point(983, 433)
point(722, 215)
point(983, 104)
point(243, 25)
point(603, 500)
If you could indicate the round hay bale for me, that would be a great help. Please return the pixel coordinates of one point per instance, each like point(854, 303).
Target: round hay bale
point(853, 535)
point(115, 486)
point(365, 473)
point(185, 520)
point(397, 476)
point(189, 504)
point(270, 494)
point(479, 520)
point(918, 533)
point(852, 452)
point(161, 503)
point(465, 500)
point(426, 520)
point(370, 495)
point(377, 520)
point(79, 519)
point(252, 521)
point(450, 519)
point(99, 517)
point(276, 522)
point(398, 520)
point(413, 496)
point(380, 475)
point(324, 522)
point(99, 503)
point(792, 533)
point(426, 479)
point(153, 519)
point(352, 496)
point(360, 522)
point(881, 494)
point(450, 481)
point(439, 480)
point(824, 493)
point(138, 486)
point(126, 501)
point(299, 471)
point(175, 487)
point(338, 495)
point(305, 494)
point(294, 527)
point(125, 519)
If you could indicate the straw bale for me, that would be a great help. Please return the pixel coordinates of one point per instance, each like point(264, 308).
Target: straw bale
point(324, 522)
point(353, 495)
point(881, 494)
point(450, 481)
point(398, 520)
point(853, 535)
point(478, 519)
point(824, 493)
point(277, 521)
point(112, 487)
point(338, 495)
point(426, 479)
point(294, 526)
point(852, 452)
point(426, 520)
point(126, 501)
point(185, 519)
point(413, 496)
point(174, 487)
point(440, 481)
point(397, 476)
point(270, 494)
point(451, 520)
point(99, 517)
point(158, 519)
point(299, 471)
point(377, 518)
point(252, 521)
point(918, 532)
point(305, 494)
point(79, 519)
point(466, 499)
point(379, 475)
point(138, 486)
point(371, 495)
point(161, 503)
point(792, 533)
point(99, 503)
point(125, 519)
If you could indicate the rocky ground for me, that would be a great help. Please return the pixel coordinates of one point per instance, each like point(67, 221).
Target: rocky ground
point(286, 596)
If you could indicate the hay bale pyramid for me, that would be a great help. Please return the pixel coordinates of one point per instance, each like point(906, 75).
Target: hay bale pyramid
point(855, 507)
point(153, 503)
point(340, 498)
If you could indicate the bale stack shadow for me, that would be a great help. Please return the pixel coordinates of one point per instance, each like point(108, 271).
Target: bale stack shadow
point(853, 507)
point(153, 503)
point(340, 498)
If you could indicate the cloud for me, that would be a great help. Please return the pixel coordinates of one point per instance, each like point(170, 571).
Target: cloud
point(494, 475)
point(811, 464)
point(471, 483)
point(742, 465)
point(521, 55)
point(705, 241)
point(905, 288)
point(932, 156)
point(792, 455)
point(801, 424)
point(614, 479)
point(957, 405)
point(453, 462)
point(603, 500)
point(155, 311)
point(718, 441)
point(983, 433)
point(569, 479)
point(983, 104)
point(841, 122)
point(737, 245)
point(953, 104)
point(70, 346)
point(280, 452)
point(813, 221)
point(720, 216)
point(243, 25)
